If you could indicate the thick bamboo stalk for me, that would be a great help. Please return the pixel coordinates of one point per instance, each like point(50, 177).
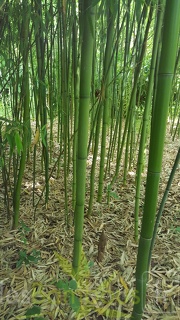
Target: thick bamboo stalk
point(88, 15)
point(164, 86)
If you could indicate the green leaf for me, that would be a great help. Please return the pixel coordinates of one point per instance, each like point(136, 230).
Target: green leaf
point(18, 142)
point(32, 258)
point(23, 239)
point(23, 254)
point(36, 253)
point(9, 137)
point(43, 135)
point(19, 263)
point(74, 302)
point(1, 162)
point(114, 195)
point(32, 311)
point(95, 2)
point(62, 285)
point(24, 227)
point(72, 284)
point(90, 264)
point(138, 9)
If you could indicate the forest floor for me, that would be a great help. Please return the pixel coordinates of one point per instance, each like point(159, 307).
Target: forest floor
point(104, 290)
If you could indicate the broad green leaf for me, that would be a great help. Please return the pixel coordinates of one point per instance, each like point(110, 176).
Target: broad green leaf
point(24, 240)
point(1, 162)
point(138, 9)
point(2, 2)
point(62, 285)
point(36, 253)
point(72, 284)
point(114, 195)
point(90, 264)
point(95, 2)
point(74, 302)
point(32, 311)
point(32, 258)
point(18, 143)
point(9, 137)
point(19, 263)
point(24, 227)
point(43, 135)
point(113, 6)
point(22, 254)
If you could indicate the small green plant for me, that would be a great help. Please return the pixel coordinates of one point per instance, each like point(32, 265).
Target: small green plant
point(69, 288)
point(26, 258)
point(175, 229)
point(13, 136)
point(24, 230)
point(35, 312)
point(111, 193)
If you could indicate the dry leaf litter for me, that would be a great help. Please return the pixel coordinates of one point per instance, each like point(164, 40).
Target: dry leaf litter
point(105, 288)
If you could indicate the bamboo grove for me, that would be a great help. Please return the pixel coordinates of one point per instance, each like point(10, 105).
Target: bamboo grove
point(99, 78)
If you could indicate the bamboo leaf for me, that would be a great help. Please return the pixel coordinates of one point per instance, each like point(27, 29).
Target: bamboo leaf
point(43, 135)
point(95, 2)
point(138, 9)
point(1, 162)
point(9, 137)
point(18, 143)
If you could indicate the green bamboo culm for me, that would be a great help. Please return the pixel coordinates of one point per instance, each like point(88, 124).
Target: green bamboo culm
point(88, 16)
point(163, 201)
point(26, 110)
point(158, 129)
point(111, 15)
point(147, 112)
